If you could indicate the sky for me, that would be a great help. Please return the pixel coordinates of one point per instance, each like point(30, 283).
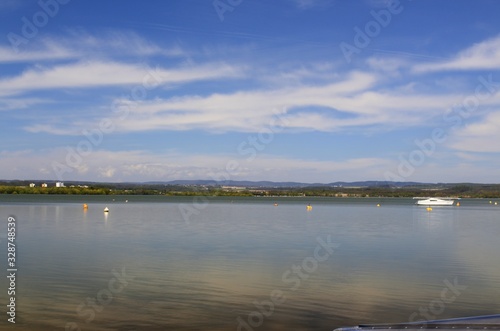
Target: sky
point(313, 91)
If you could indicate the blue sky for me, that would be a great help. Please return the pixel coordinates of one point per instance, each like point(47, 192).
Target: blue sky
point(285, 90)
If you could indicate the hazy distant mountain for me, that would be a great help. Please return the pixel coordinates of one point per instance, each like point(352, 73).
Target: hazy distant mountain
point(270, 184)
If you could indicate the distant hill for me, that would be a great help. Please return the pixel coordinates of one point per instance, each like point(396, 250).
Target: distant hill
point(270, 184)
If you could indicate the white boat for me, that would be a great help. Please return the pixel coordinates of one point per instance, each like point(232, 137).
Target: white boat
point(436, 201)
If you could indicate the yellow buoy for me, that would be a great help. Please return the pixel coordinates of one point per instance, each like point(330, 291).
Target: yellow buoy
point(378, 204)
point(309, 207)
point(496, 203)
point(85, 206)
point(429, 208)
point(458, 204)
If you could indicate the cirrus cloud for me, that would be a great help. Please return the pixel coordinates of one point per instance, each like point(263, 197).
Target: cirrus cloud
point(484, 55)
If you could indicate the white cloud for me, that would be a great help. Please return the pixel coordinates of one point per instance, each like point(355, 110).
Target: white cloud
point(80, 45)
point(145, 166)
point(481, 56)
point(391, 65)
point(307, 4)
point(47, 128)
point(106, 172)
point(98, 73)
point(48, 51)
point(348, 103)
point(481, 136)
point(244, 111)
point(471, 156)
point(117, 44)
point(121, 166)
point(11, 104)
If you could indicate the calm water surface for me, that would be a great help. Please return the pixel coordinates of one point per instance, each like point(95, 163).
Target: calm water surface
point(157, 263)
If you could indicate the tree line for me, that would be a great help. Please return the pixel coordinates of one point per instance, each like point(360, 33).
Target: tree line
point(460, 190)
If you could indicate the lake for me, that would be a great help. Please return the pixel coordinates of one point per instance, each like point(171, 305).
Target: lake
point(168, 263)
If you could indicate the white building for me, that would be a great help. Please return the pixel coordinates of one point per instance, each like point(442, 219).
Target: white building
point(44, 185)
point(59, 184)
point(32, 185)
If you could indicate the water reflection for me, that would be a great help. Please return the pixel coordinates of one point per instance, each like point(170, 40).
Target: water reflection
point(392, 261)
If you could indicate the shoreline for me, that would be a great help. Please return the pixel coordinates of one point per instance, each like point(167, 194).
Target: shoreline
point(487, 192)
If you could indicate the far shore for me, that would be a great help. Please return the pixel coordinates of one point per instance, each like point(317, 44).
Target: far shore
point(459, 191)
